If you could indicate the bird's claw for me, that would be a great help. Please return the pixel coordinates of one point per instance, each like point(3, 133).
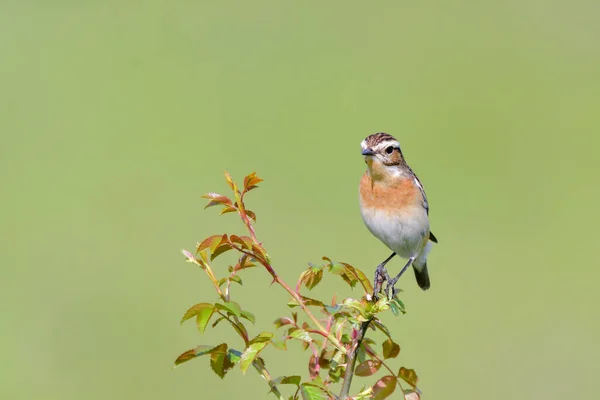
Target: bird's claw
point(381, 276)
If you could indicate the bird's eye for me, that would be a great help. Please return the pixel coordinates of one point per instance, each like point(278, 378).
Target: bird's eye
point(389, 149)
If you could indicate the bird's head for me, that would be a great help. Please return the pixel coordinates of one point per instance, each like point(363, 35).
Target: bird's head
point(382, 154)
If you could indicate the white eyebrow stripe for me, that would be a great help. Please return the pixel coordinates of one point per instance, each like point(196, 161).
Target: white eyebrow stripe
point(383, 145)
point(363, 144)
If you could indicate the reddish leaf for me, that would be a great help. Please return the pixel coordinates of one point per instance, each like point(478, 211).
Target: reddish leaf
point(390, 349)
point(384, 387)
point(313, 367)
point(244, 241)
point(251, 215)
point(228, 209)
point(186, 356)
point(216, 199)
point(244, 262)
point(191, 354)
point(325, 358)
point(410, 395)
point(210, 242)
point(279, 322)
point(409, 376)
point(251, 181)
point(368, 368)
point(259, 251)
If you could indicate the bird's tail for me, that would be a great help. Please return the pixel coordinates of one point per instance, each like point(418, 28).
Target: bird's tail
point(422, 276)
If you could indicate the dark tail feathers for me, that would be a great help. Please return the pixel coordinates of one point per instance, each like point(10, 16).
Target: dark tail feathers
point(422, 277)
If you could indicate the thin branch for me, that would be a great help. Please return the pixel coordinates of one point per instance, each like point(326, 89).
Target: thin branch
point(351, 360)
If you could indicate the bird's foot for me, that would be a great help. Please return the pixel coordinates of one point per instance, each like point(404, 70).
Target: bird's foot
point(391, 286)
point(381, 276)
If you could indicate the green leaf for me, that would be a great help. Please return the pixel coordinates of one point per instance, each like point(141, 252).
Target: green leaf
point(301, 334)
point(365, 394)
point(307, 301)
point(384, 387)
point(195, 310)
point(236, 279)
point(280, 344)
point(312, 276)
point(312, 392)
point(382, 328)
point(204, 317)
point(219, 360)
point(367, 368)
point(400, 305)
point(230, 181)
point(230, 307)
point(221, 248)
point(361, 277)
point(254, 347)
point(409, 376)
point(217, 321)
point(336, 373)
point(391, 349)
point(288, 380)
point(248, 315)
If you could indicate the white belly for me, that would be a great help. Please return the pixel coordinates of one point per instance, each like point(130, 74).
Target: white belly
point(403, 234)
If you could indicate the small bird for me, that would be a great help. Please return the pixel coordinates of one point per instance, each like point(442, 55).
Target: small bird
point(394, 208)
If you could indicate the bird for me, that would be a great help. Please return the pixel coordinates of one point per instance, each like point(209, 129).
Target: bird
point(395, 209)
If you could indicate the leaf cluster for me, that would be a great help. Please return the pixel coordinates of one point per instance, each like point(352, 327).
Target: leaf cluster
point(333, 333)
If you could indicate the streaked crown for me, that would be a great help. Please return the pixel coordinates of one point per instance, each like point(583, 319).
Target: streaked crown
point(378, 142)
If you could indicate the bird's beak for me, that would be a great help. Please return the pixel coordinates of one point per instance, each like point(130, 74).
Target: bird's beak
point(367, 152)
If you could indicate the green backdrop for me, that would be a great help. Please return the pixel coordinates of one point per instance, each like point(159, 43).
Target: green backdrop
point(115, 117)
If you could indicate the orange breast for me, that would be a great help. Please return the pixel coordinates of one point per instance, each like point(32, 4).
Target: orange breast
point(391, 195)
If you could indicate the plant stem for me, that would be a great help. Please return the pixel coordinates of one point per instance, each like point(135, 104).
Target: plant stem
point(351, 360)
point(262, 371)
point(336, 343)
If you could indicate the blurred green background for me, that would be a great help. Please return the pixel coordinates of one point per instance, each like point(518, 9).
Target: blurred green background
point(115, 117)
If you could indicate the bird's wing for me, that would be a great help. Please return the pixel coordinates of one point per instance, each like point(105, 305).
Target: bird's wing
point(422, 190)
point(425, 202)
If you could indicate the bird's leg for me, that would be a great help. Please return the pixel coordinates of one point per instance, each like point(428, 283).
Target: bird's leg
point(392, 282)
point(381, 275)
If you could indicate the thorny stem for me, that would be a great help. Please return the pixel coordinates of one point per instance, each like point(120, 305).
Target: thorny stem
point(213, 279)
point(336, 343)
point(262, 371)
point(351, 360)
point(234, 324)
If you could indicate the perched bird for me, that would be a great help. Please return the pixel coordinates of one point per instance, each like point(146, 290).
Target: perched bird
point(394, 208)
